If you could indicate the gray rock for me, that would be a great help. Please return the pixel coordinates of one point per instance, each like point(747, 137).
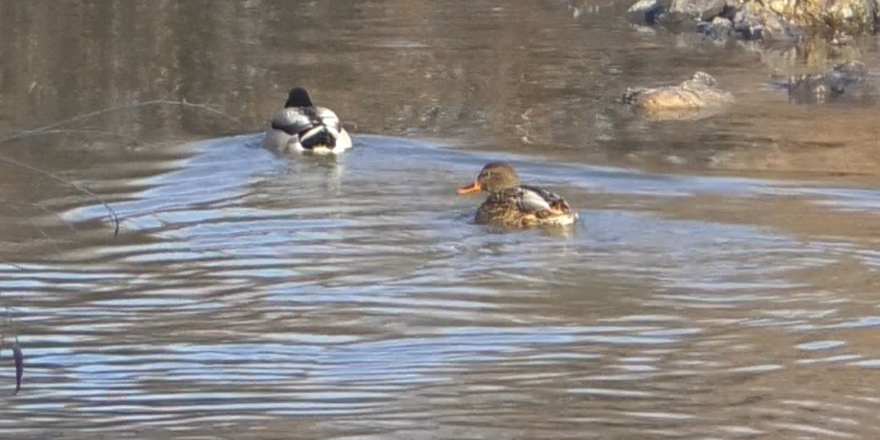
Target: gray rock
point(755, 22)
point(845, 82)
point(692, 99)
point(735, 5)
point(748, 26)
point(720, 29)
point(700, 9)
point(644, 12)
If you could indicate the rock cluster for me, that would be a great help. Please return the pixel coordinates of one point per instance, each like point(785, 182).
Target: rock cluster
point(769, 20)
point(844, 83)
point(762, 19)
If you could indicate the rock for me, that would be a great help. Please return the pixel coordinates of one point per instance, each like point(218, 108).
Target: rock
point(847, 75)
point(700, 9)
point(755, 22)
point(692, 99)
point(852, 16)
point(845, 82)
point(720, 29)
point(827, 16)
point(733, 5)
point(644, 12)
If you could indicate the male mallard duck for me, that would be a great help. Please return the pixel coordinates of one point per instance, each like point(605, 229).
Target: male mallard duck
point(513, 205)
point(302, 126)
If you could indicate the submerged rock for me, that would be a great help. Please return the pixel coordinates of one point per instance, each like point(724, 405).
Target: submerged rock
point(845, 82)
point(644, 12)
point(719, 28)
point(695, 98)
point(700, 9)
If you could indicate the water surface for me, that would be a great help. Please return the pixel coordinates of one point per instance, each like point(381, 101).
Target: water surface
point(718, 284)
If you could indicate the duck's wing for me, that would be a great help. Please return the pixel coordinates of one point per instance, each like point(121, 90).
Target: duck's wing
point(534, 199)
point(329, 120)
point(311, 125)
point(295, 120)
point(531, 199)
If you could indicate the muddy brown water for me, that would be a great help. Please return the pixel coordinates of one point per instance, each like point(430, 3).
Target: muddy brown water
point(722, 281)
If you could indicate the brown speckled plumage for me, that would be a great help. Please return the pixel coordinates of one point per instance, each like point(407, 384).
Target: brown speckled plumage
point(513, 205)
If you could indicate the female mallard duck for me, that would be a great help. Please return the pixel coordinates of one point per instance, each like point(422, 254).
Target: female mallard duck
point(513, 205)
point(302, 126)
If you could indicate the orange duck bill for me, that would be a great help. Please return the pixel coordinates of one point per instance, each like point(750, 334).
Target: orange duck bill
point(469, 189)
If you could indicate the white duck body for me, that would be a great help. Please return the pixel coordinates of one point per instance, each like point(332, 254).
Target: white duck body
point(303, 127)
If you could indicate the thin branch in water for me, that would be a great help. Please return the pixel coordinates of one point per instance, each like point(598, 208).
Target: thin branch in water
point(74, 119)
point(111, 212)
point(35, 227)
point(33, 133)
point(18, 356)
point(51, 128)
point(6, 324)
point(29, 222)
point(68, 223)
point(3, 335)
point(204, 107)
point(2, 261)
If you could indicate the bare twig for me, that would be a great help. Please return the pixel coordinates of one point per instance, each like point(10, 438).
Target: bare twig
point(2, 261)
point(32, 133)
point(74, 119)
point(6, 324)
point(18, 356)
point(44, 209)
point(111, 212)
point(3, 334)
point(30, 223)
point(53, 128)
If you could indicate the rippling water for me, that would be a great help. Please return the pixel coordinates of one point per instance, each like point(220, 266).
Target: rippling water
point(253, 296)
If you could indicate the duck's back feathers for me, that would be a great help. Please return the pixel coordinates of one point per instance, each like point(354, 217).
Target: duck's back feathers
point(536, 199)
point(525, 206)
point(297, 120)
point(293, 120)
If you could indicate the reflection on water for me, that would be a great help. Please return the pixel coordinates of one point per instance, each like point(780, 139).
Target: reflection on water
point(253, 296)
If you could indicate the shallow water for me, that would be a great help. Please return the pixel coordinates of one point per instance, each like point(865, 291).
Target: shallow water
point(706, 291)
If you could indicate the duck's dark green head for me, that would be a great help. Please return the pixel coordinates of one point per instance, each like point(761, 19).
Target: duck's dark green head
point(494, 177)
point(298, 97)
